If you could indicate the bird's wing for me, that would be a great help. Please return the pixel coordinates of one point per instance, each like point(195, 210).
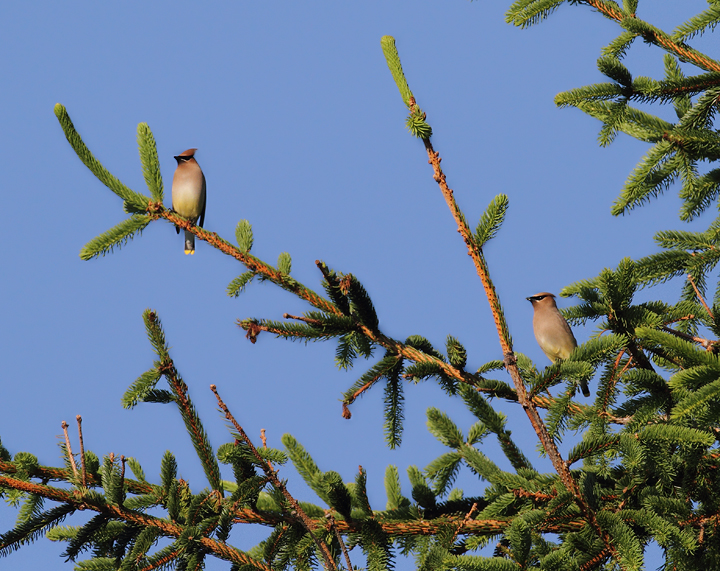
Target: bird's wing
point(201, 220)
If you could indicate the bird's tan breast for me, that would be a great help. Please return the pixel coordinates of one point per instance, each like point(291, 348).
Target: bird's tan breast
point(188, 191)
point(553, 334)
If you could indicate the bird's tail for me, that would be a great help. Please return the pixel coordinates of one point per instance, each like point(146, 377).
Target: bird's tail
point(189, 242)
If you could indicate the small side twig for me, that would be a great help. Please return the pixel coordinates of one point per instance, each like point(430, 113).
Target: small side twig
point(82, 451)
point(466, 519)
point(307, 320)
point(263, 438)
point(616, 376)
point(707, 343)
point(123, 460)
point(700, 297)
point(69, 448)
point(331, 519)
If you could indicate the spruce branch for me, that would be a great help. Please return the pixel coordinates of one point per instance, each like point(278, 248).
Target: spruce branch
point(166, 528)
point(332, 286)
point(271, 475)
point(615, 377)
point(415, 123)
point(393, 404)
point(677, 148)
point(384, 368)
point(521, 14)
point(708, 344)
point(237, 286)
point(491, 220)
point(306, 467)
point(193, 424)
point(481, 526)
point(150, 162)
point(116, 237)
point(48, 473)
point(284, 263)
point(525, 13)
point(244, 235)
point(254, 326)
point(698, 24)
point(679, 49)
point(496, 423)
point(253, 264)
point(134, 202)
point(145, 210)
point(646, 90)
point(478, 258)
point(33, 527)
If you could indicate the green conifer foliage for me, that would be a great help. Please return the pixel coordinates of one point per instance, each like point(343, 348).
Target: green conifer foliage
point(644, 467)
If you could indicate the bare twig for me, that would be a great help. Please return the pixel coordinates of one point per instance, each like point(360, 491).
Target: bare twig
point(82, 451)
point(700, 297)
point(331, 519)
point(706, 343)
point(69, 448)
point(123, 460)
point(465, 520)
point(263, 438)
point(307, 320)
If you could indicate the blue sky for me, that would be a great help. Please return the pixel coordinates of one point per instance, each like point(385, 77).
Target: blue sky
point(300, 130)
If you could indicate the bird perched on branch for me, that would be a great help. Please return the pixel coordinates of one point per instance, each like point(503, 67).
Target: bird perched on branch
point(552, 332)
point(188, 194)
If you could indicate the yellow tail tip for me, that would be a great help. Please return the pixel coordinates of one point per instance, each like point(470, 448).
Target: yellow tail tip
point(189, 252)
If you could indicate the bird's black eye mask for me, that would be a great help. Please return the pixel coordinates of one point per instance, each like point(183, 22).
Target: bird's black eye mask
point(536, 298)
point(182, 159)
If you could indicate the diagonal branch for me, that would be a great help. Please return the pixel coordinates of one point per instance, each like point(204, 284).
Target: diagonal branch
point(680, 49)
point(700, 297)
point(307, 523)
point(528, 405)
point(156, 210)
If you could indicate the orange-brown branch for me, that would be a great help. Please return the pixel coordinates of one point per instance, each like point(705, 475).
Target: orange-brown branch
point(679, 49)
point(700, 297)
point(75, 498)
point(303, 518)
point(528, 405)
point(252, 263)
point(390, 526)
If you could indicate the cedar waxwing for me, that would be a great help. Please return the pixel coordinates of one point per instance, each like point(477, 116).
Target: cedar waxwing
point(552, 332)
point(188, 194)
